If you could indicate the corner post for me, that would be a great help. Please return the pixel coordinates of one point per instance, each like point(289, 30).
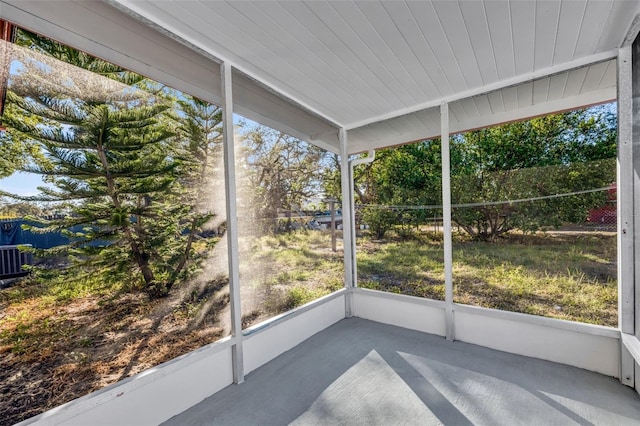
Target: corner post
point(348, 223)
point(232, 222)
point(625, 201)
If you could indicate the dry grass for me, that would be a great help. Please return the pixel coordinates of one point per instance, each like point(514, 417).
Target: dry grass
point(285, 271)
point(63, 337)
point(570, 276)
point(54, 349)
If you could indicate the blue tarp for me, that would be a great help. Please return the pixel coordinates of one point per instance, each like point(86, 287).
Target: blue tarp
point(11, 233)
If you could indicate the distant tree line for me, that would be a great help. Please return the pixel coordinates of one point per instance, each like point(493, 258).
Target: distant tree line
point(283, 173)
point(537, 159)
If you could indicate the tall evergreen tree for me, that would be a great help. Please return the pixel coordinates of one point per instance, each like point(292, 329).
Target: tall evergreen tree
point(199, 125)
point(110, 156)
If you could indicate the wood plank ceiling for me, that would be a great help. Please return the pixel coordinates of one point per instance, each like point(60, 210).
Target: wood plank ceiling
point(379, 68)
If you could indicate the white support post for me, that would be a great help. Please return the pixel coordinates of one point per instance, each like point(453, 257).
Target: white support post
point(348, 221)
point(627, 367)
point(625, 201)
point(633, 288)
point(634, 86)
point(232, 222)
point(625, 178)
point(446, 222)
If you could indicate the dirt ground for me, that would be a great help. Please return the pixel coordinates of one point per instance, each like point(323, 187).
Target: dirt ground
point(52, 353)
point(89, 344)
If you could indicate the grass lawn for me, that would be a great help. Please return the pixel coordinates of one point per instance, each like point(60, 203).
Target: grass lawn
point(63, 336)
point(570, 276)
point(281, 272)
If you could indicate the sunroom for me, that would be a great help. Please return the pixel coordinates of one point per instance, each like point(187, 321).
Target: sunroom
point(354, 77)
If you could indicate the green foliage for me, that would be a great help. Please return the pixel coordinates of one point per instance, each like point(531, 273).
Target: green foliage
point(292, 269)
point(119, 157)
point(379, 220)
point(60, 285)
point(542, 157)
point(332, 178)
point(14, 152)
point(21, 209)
point(489, 221)
point(300, 295)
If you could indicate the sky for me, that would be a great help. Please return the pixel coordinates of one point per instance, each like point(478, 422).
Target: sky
point(21, 183)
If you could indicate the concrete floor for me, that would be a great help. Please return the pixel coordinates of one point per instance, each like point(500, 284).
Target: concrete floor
point(359, 372)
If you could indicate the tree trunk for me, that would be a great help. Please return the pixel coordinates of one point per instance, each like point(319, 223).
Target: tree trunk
point(141, 258)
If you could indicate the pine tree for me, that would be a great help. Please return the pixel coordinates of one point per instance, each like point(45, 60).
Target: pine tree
point(200, 150)
point(110, 157)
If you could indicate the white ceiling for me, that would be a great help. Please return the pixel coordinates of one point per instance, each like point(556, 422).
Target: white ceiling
point(588, 85)
point(378, 68)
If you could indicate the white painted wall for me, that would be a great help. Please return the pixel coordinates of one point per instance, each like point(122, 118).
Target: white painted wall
point(261, 344)
point(152, 396)
point(585, 346)
point(595, 352)
point(400, 310)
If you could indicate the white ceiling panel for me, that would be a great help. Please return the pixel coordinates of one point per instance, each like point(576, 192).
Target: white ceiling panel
point(541, 90)
point(575, 82)
point(596, 73)
point(480, 38)
point(495, 101)
point(570, 89)
point(363, 63)
point(451, 19)
point(470, 107)
point(510, 97)
point(557, 85)
point(592, 26)
point(610, 76)
point(483, 104)
point(523, 26)
point(456, 112)
point(405, 63)
point(546, 30)
point(571, 18)
point(498, 16)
